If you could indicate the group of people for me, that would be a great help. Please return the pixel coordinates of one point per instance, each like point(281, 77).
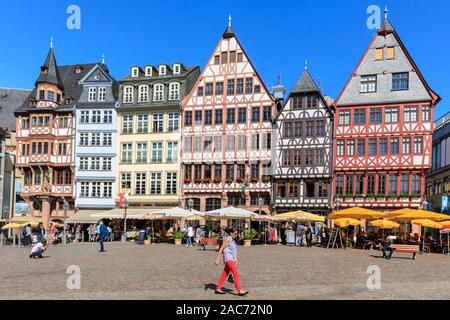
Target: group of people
point(94, 232)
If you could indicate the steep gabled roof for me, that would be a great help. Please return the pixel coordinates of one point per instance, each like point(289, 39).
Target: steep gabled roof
point(10, 100)
point(49, 71)
point(305, 84)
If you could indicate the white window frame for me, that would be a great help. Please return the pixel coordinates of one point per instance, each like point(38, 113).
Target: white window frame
point(92, 94)
point(85, 116)
point(102, 94)
point(174, 93)
point(148, 71)
point(162, 70)
point(128, 94)
point(158, 92)
point(143, 93)
point(176, 68)
point(135, 72)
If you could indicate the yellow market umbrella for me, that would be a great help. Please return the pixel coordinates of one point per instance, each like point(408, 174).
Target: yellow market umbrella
point(28, 219)
point(409, 214)
point(193, 218)
point(384, 224)
point(346, 222)
point(300, 216)
point(356, 213)
point(11, 226)
point(427, 223)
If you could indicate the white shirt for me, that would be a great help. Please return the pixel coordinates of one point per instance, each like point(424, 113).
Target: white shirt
point(190, 232)
point(37, 247)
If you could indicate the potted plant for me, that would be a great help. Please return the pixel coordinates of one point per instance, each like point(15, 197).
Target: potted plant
point(348, 196)
point(370, 196)
point(415, 196)
point(178, 236)
point(392, 196)
point(249, 235)
point(359, 196)
point(339, 196)
point(404, 196)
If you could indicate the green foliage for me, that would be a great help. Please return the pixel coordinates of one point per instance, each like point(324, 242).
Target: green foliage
point(178, 235)
point(250, 234)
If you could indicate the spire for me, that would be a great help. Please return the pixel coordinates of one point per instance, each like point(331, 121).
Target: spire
point(385, 13)
point(229, 33)
point(279, 90)
point(386, 27)
point(306, 64)
point(229, 21)
point(51, 41)
point(49, 71)
point(103, 58)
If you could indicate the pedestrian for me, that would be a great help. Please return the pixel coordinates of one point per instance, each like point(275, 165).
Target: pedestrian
point(229, 252)
point(27, 240)
point(40, 233)
point(102, 235)
point(53, 233)
point(190, 236)
point(38, 249)
point(309, 235)
point(142, 235)
point(78, 233)
point(206, 232)
point(91, 232)
point(222, 236)
point(109, 236)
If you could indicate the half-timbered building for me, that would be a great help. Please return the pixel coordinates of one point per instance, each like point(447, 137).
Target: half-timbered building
point(383, 129)
point(303, 154)
point(45, 139)
point(226, 133)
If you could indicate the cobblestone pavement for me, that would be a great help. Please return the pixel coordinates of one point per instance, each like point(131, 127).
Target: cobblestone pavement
point(164, 271)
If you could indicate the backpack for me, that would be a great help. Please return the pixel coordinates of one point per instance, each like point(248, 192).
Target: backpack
point(24, 232)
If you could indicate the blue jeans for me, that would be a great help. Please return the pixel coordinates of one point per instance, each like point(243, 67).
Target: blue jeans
point(102, 247)
point(189, 241)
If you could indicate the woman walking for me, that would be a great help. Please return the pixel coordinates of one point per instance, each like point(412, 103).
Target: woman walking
point(229, 251)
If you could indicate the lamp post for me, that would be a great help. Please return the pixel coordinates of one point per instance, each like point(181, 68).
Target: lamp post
point(260, 203)
point(65, 208)
point(124, 235)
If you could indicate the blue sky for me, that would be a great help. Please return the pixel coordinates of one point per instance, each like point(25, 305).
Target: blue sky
point(277, 35)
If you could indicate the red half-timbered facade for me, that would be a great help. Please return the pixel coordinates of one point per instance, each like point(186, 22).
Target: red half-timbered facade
point(383, 129)
point(226, 136)
point(45, 139)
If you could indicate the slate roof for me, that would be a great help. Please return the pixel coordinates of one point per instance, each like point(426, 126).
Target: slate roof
point(184, 72)
point(386, 27)
point(10, 100)
point(72, 89)
point(52, 73)
point(305, 84)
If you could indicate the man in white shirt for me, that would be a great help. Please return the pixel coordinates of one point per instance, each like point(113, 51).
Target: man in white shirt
point(190, 236)
point(38, 249)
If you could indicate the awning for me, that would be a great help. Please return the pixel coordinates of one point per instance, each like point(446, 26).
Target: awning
point(84, 216)
point(119, 213)
point(229, 213)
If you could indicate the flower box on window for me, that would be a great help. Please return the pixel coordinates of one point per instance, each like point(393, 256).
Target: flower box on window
point(229, 181)
point(339, 196)
point(217, 180)
point(416, 196)
point(187, 181)
point(392, 196)
point(349, 196)
point(359, 196)
point(266, 179)
point(254, 180)
point(239, 180)
point(370, 196)
point(198, 181)
point(404, 196)
point(207, 180)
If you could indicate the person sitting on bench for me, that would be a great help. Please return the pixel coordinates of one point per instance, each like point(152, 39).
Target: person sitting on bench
point(386, 247)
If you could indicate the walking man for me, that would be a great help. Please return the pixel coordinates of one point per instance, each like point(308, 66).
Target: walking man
point(190, 236)
point(309, 235)
point(103, 234)
point(40, 233)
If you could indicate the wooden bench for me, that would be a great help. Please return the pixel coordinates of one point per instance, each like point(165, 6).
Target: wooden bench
point(208, 242)
point(407, 248)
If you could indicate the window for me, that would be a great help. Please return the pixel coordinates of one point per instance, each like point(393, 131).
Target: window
point(224, 59)
point(92, 94)
point(107, 116)
point(359, 116)
point(248, 85)
point(95, 139)
point(217, 59)
point(339, 185)
point(350, 148)
point(255, 142)
point(370, 185)
point(176, 69)
point(391, 115)
point(392, 184)
point(361, 147)
point(267, 114)
point(41, 94)
point(218, 117)
point(349, 185)
point(217, 171)
point(394, 147)
point(128, 96)
point(143, 93)
point(410, 114)
point(368, 84)
point(340, 148)
point(311, 102)
point(415, 185)
point(84, 139)
point(125, 181)
point(320, 128)
point(256, 114)
point(96, 190)
point(140, 185)
point(298, 129)
point(288, 129)
point(240, 171)
point(242, 115)
point(257, 88)
point(188, 118)
point(102, 94)
point(381, 185)
point(63, 122)
point(127, 124)
point(141, 153)
point(426, 114)
point(84, 163)
point(376, 115)
point(171, 183)
point(242, 143)
point(418, 145)
point(359, 184)
point(232, 56)
point(344, 117)
point(209, 89)
point(230, 116)
point(213, 204)
point(198, 118)
point(158, 122)
point(95, 163)
point(51, 96)
point(25, 123)
point(197, 144)
point(219, 88)
point(309, 132)
point(107, 164)
point(155, 183)
point(218, 144)
point(254, 170)
point(240, 57)
point(135, 72)
point(148, 71)
point(239, 86)
point(207, 144)
point(230, 143)
point(200, 91)
point(404, 185)
point(172, 151)
point(382, 144)
point(400, 81)
point(297, 103)
point(187, 144)
point(230, 171)
point(96, 116)
point(142, 123)
point(173, 124)
point(84, 189)
point(390, 53)
point(157, 152)
point(158, 92)
point(126, 153)
point(379, 54)
point(406, 146)
point(319, 157)
point(162, 70)
point(372, 147)
point(107, 139)
point(107, 189)
point(230, 87)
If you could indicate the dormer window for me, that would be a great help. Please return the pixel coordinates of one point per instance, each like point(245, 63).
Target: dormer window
point(162, 70)
point(92, 94)
point(128, 95)
point(102, 94)
point(148, 71)
point(41, 94)
point(174, 91)
point(51, 96)
point(135, 72)
point(176, 69)
point(158, 92)
point(78, 70)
